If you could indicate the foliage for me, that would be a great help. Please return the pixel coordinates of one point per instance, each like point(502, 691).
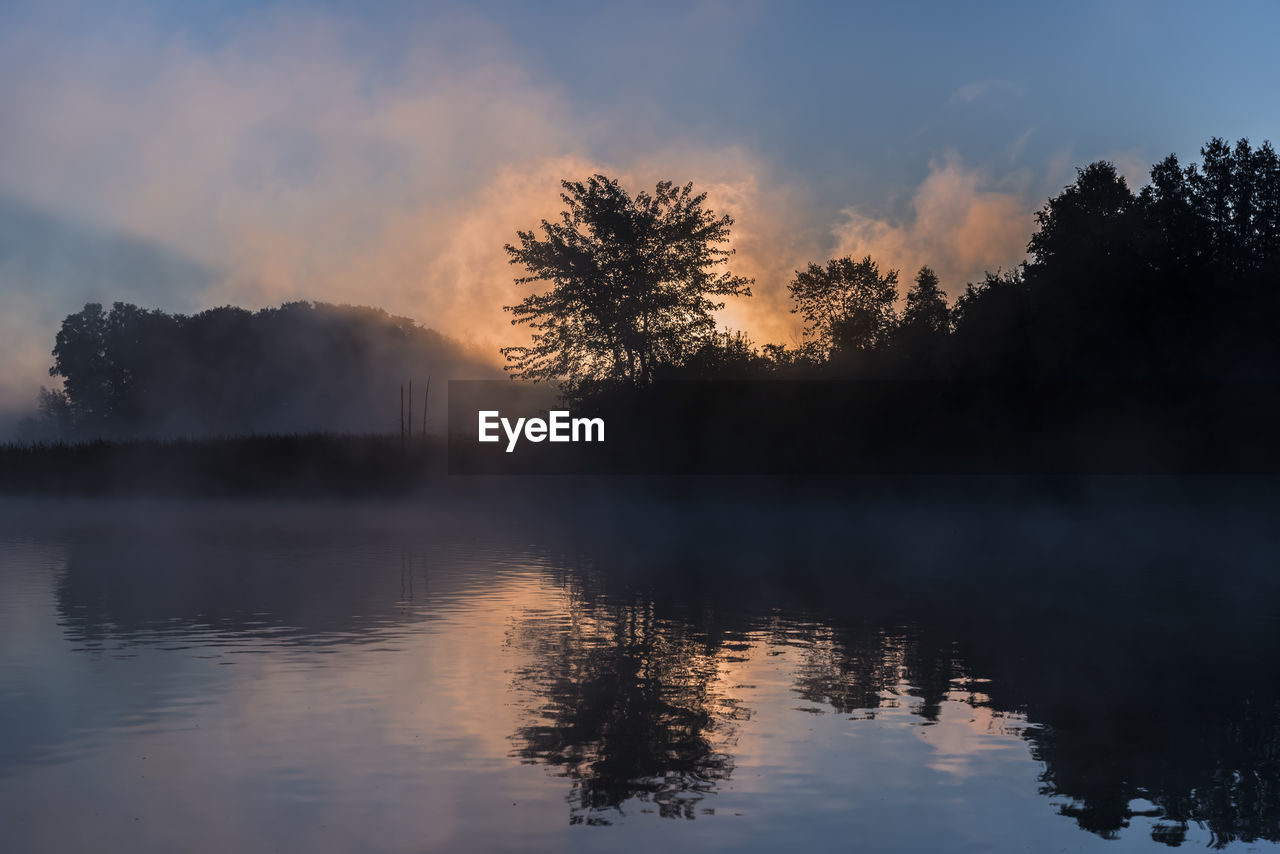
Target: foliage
point(847, 306)
point(1177, 281)
point(926, 309)
point(634, 284)
point(299, 367)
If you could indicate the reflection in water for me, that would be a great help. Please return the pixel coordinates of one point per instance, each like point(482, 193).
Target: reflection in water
point(625, 704)
point(1148, 669)
point(1159, 719)
point(1053, 672)
point(862, 668)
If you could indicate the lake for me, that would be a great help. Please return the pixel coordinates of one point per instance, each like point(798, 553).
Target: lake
point(744, 673)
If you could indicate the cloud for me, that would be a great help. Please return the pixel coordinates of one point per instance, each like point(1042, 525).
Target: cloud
point(961, 223)
point(1133, 166)
point(291, 165)
point(48, 262)
point(286, 161)
point(1018, 145)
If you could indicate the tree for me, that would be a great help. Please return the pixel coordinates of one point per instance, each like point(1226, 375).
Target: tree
point(920, 336)
point(926, 310)
point(634, 282)
point(1089, 276)
point(725, 355)
point(80, 357)
point(1266, 165)
point(54, 419)
point(297, 367)
point(847, 306)
point(1088, 225)
point(1168, 204)
point(992, 322)
point(1215, 184)
point(1235, 194)
point(55, 410)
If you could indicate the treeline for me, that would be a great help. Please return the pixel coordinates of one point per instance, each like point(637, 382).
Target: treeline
point(301, 367)
point(1175, 282)
point(1178, 281)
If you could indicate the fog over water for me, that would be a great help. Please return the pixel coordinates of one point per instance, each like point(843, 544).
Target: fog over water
point(622, 673)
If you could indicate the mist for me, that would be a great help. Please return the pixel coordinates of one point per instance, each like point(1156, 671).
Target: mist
point(286, 160)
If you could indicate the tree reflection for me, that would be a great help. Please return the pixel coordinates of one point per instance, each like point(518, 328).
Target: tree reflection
point(1156, 705)
point(626, 705)
point(1151, 675)
point(1148, 673)
point(863, 667)
point(1184, 727)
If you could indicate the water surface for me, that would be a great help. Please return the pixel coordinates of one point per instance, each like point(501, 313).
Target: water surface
point(746, 676)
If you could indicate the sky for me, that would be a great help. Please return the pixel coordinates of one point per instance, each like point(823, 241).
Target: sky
point(183, 156)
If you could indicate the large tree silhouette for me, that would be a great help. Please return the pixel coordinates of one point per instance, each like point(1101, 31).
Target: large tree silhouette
point(634, 284)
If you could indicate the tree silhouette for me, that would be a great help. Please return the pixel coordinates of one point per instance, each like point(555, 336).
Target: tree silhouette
point(926, 320)
point(926, 308)
point(1088, 221)
point(80, 358)
point(633, 285)
point(1174, 282)
point(54, 418)
point(847, 306)
point(992, 321)
point(298, 367)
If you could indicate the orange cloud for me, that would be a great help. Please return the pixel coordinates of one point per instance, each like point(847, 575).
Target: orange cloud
point(290, 178)
point(962, 223)
point(293, 167)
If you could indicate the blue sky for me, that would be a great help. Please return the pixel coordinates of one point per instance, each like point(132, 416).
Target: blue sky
point(383, 152)
point(854, 97)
